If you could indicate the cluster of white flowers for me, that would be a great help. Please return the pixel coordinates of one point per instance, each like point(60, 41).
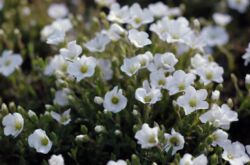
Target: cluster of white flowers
point(181, 70)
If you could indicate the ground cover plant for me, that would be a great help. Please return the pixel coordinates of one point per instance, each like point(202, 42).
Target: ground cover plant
point(124, 82)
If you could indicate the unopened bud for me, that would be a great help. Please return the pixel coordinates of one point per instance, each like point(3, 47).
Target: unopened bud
point(99, 128)
point(98, 100)
point(216, 95)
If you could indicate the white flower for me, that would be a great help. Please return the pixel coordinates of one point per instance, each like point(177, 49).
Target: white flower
point(114, 100)
point(219, 137)
point(138, 38)
point(158, 9)
point(239, 5)
point(115, 31)
point(130, 66)
point(40, 141)
point(57, 65)
point(246, 56)
point(179, 81)
point(63, 118)
point(172, 30)
point(58, 10)
point(158, 79)
point(106, 3)
point(146, 94)
point(247, 79)
point(56, 160)
point(199, 61)
point(106, 68)
point(55, 33)
point(147, 137)
point(193, 100)
point(139, 17)
point(235, 154)
point(210, 73)
point(118, 14)
point(72, 51)
point(222, 19)
point(9, 62)
point(165, 61)
point(98, 44)
point(61, 97)
point(175, 141)
point(13, 124)
point(214, 36)
point(188, 159)
point(145, 59)
point(220, 116)
point(82, 67)
point(31, 113)
point(118, 162)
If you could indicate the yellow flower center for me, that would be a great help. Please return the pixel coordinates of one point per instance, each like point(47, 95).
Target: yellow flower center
point(174, 141)
point(137, 20)
point(181, 86)
point(115, 100)
point(151, 139)
point(147, 98)
point(209, 75)
point(7, 63)
point(161, 82)
point(18, 126)
point(84, 69)
point(44, 141)
point(192, 102)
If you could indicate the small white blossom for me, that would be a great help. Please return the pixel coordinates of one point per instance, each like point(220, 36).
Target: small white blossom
point(239, 5)
point(13, 124)
point(145, 59)
point(130, 66)
point(247, 79)
point(98, 44)
point(114, 100)
point(147, 137)
point(188, 159)
point(220, 138)
point(235, 154)
point(63, 118)
point(40, 141)
point(246, 56)
point(57, 65)
point(106, 68)
point(57, 10)
point(175, 141)
point(220, 116)
point(72, 51)
point(146, 94)
point(9, 62)
point(138, 38)
point(180, 81)
point(118, 14)
point(82, 67)
point(115, 31)
point(98, 100)
point(172, 30)
point(139, 16)
point(61, 97)
point(214, 36)
point(210, 73)
point(165, 61)
point(99, 128)
point(56, 160)
point(222, 19)
point(193, 100)
point(118, 162)
point(158, 79)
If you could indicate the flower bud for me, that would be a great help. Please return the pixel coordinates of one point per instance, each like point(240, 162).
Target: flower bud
point(82, 138)
point(135, 112)
point(98, 100)
point(247, 81)
point(99, 128)
point(230, 102)
point(216, 95)
point(117, 132)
